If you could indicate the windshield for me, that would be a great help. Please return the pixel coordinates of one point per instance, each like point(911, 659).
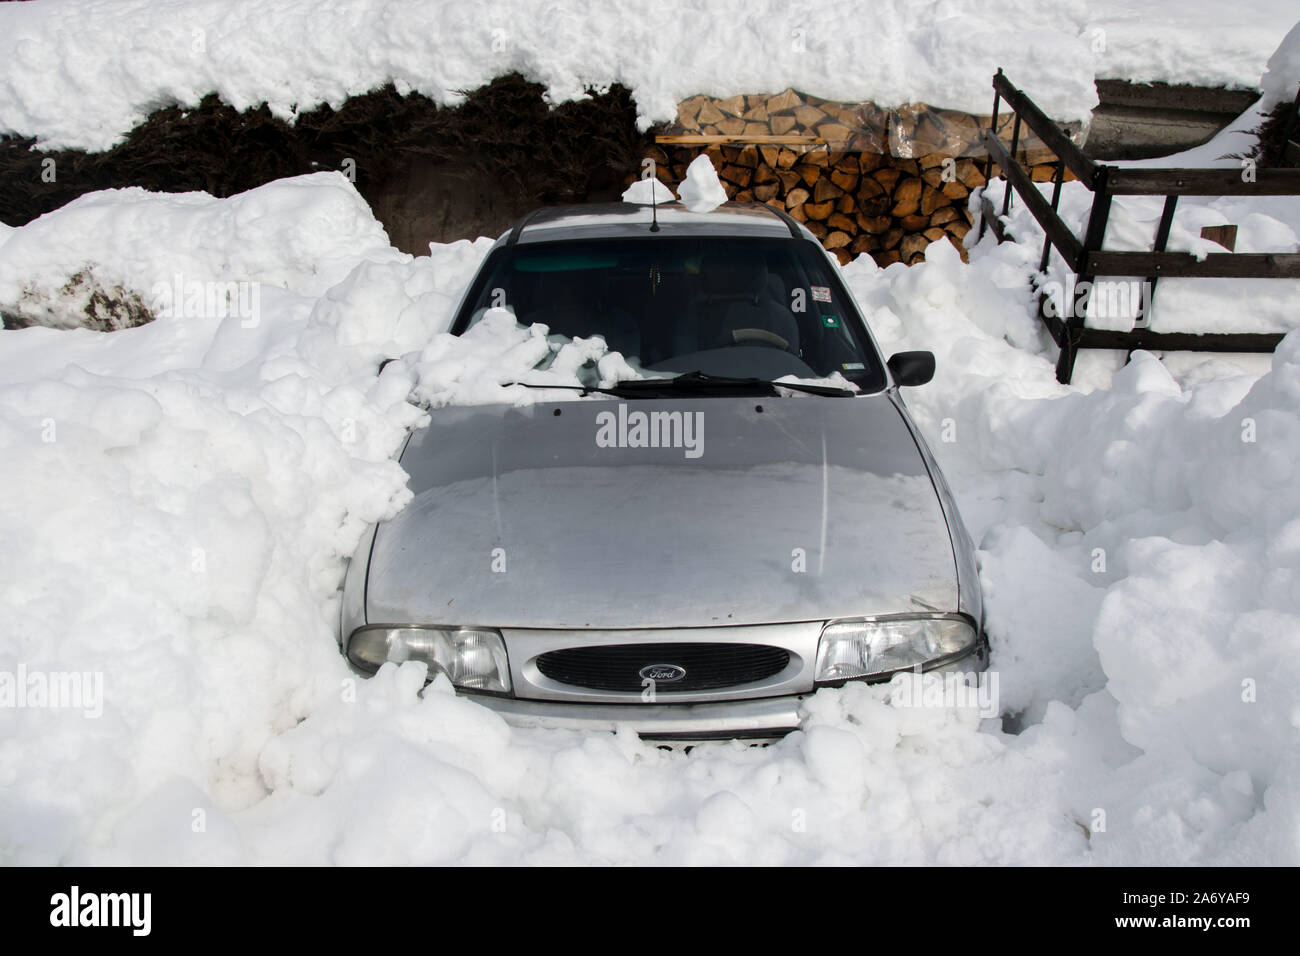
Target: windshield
point(761, 308)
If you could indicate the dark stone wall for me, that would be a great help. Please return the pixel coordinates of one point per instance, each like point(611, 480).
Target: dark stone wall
point(430, 173)
point(1146, 120)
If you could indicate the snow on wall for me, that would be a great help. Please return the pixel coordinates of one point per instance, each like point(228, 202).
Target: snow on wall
point(81, 73)
point(1185, 41)
point(179, 499)
point(1281, 78)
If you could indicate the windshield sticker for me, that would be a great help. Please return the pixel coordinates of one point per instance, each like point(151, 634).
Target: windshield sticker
point(852, 366)
point(821, 293)
point(831, 321)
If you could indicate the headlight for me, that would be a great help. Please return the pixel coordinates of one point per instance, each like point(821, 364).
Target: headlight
point(472, 657)
point(850, 649)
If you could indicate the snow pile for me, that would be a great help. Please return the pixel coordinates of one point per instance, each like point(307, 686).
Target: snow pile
point(159, 248)
point(701, 190)
point(178, 495)
point(81, 74)
point(497, 361)
point(1282, 76)
point(1143, 570)
point(648, 192)
point(180, 498)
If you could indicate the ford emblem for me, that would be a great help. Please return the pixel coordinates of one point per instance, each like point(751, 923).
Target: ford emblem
point(662, 673)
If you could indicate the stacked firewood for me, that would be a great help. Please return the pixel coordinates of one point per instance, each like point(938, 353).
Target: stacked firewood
point(862, 179)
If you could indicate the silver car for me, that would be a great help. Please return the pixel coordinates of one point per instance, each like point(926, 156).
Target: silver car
point(692, 552)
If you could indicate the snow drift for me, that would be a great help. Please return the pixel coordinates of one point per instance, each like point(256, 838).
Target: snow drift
point(180, 499)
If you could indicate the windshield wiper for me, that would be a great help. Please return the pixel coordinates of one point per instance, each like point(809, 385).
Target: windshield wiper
point(696, 383)
point(581, 389)
point(700, 382)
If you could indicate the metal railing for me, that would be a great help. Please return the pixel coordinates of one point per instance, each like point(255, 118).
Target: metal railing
point(1088, 260)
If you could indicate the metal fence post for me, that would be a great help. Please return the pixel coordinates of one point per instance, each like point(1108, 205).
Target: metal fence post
point(988, 162)
point(1015, 144)
point(1093, 238)
point(1162, 239)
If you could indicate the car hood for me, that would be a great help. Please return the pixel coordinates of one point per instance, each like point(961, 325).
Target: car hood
point(777, 510)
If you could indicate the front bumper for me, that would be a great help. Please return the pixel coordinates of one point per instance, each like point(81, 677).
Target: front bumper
point(763, 718)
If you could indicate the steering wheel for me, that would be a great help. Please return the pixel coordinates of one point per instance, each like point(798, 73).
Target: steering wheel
point(759, 337)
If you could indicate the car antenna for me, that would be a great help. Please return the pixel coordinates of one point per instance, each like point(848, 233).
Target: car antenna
point(654, 203)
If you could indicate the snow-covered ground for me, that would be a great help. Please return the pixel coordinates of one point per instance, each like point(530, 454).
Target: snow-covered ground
point(82, 73)
point(180, 498)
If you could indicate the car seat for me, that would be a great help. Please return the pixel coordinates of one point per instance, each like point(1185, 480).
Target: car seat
point(736, 305)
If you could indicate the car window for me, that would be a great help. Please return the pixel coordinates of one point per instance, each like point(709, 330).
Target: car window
point(724, 306)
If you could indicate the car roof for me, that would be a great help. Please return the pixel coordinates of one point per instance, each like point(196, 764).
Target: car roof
point(621, 219)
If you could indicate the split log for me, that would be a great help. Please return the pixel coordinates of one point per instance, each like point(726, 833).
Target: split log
point(869, 162)
point(732, 105)
point(932, 199)
point(787, 99)
point(825, 189)
point(818, 210)
point(844, 179)
point(842, 223)
point(740, 175)
point(955, 190)
point(789, 179)
point(809, 116)
point(911, 245)
point(907, 197)
point(709, 115)
point(887, 177)
point(875, 225)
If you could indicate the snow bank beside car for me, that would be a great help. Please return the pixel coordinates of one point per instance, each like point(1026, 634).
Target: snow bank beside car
point(167, 251)
point(1137, 556)
point(181, 497)
point(81, 74)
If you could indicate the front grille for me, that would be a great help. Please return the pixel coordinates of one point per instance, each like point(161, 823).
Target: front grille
point(617, 667)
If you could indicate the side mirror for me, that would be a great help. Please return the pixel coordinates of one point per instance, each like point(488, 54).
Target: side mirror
point(911, 368)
